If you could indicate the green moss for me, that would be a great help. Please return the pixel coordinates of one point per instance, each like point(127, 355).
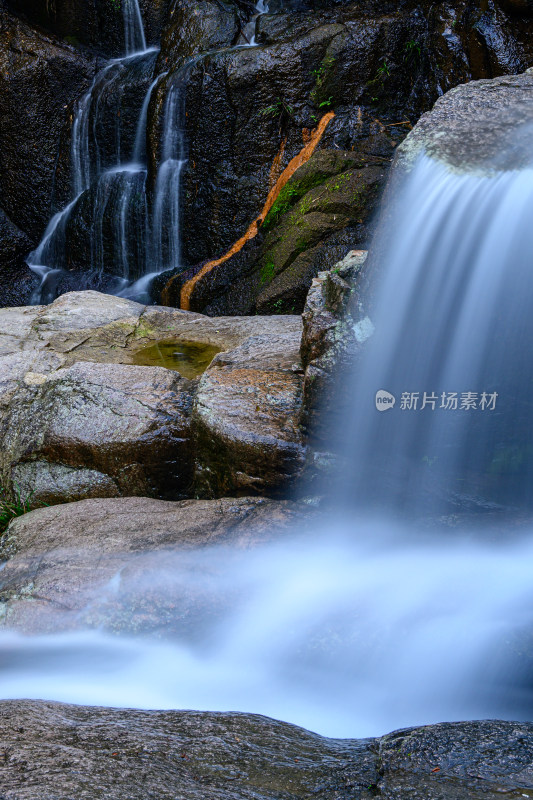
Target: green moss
point(322, 74)
point(143, 331)
point(268, 272)
point(288, 197)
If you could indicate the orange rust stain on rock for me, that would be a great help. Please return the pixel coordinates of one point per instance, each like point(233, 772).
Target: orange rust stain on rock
point(275, 169)
point(295, 163)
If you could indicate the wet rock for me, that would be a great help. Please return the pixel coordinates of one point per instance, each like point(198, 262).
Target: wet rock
point(378, 66)
point(194, 28)
point(56, 752)
point(62, 560)
point(246, 416)
point(334, 330)
point(39, 79)
point(172, 754)
point(481, 126)
point(101, 430)
point(79, 418)
point(16, 280)
point(457, 761)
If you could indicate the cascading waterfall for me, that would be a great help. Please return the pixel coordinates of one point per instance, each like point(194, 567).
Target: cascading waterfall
point(372, 624)
point(134, 38)
point(111, 235)
point(118, 232)
point(453, 344)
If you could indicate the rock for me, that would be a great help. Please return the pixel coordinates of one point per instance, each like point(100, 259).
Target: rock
point(171, 754)
point(106, 430)
point(246, 416)
point(16, 280)
point(56, 752)
point(62, 560)
point(480, 126)
point(80, 418)
point(194, 28)
point(334, 329)
point(457, 761)
point(39, 80)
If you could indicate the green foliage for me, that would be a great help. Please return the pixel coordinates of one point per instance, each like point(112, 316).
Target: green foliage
point(116, 4)
point(277, 109)
point(340, 181)
point(320, 73)
point(383, 71)
point(412, 51)
point(286, 199)
point(12, 508)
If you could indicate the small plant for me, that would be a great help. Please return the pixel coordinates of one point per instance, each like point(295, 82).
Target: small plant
point(326, 103)
point(10, 509)
point(320, 72)
point(412, 50)
point(277, 109)
point(383, 71)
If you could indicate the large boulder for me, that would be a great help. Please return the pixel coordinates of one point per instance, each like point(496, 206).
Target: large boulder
point(56, 752)
point(500, 138)
point(247, 413)
point(88, 407)
point(334, 331)
point(62, 560)
point(39, 80)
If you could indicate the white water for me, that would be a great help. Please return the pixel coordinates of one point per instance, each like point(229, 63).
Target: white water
point(366, 625)
point(453, 314)
point(353, 633)
point(249, 30)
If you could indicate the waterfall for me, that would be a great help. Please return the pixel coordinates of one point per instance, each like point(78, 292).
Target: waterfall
point(111, 234)
point(134, 38)
point(373, 621)
point(166, 241)
point(453, 344)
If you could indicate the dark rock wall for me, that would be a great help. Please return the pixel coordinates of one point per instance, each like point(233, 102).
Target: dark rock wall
point(39, 80)
point(248, 111)
point(378, 66)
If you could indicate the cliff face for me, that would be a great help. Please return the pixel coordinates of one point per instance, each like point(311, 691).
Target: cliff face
point(248, 113)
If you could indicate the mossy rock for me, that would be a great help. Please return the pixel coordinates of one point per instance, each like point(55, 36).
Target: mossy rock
point(334, 191)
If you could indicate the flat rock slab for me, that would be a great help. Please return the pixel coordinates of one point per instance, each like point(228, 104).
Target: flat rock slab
point(63, 560)
point(79, 419)
point(480, 126)
point(52, 751)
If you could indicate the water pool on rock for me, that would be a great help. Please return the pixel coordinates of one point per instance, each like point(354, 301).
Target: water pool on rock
point(190, 359)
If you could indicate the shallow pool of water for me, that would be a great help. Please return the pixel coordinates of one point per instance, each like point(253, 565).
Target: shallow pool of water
point(190, 359)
